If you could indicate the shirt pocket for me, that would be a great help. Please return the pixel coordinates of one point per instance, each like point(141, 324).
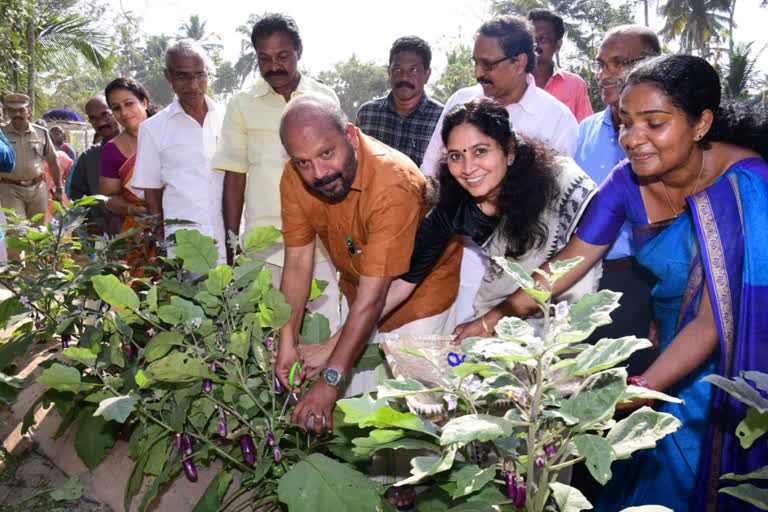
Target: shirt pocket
point(178, 155)
point(36, 147)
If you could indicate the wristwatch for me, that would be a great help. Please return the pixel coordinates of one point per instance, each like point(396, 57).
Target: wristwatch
point(332, 376)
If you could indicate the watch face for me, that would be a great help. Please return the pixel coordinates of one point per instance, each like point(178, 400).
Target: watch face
point(332, 376)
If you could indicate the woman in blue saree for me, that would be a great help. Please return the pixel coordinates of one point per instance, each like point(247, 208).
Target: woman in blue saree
point(695, 190)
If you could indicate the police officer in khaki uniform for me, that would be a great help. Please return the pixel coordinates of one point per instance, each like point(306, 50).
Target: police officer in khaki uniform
point(24, 189)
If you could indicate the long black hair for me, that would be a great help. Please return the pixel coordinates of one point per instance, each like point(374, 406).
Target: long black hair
point(529, 185)
point(693, 86)
point(134, 87)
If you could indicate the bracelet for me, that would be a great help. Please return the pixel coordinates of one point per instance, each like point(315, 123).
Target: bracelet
point(639, 380)
point(485, 326)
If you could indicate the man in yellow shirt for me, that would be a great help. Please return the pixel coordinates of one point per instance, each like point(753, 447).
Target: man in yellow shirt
point(250, 153)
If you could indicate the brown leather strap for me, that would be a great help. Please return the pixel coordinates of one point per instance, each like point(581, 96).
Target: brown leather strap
point(23, 183)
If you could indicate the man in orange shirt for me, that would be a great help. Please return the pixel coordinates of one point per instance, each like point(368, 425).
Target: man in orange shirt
point(365, 201)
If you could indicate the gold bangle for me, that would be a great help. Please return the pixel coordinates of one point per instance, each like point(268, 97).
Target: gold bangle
point(485, 326)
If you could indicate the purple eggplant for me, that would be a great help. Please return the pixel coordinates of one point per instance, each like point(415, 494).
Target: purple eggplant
point(268, 342)
point(190, 469)
point(65, 339)
point(128, 352)
point(270, 438)
point(207, 385)
point(511, 489)
point(520, 491)
point(278, 386)
point(248, 449)
point(277, 455)
point(550, 450)
point(222, 423)
point(212, 366)
point(186, 443)
point(539, 462)
point(178, 441)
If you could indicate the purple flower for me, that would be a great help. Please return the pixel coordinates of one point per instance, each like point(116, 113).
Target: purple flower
point(249, 451)
point(128, 352)
point(277, 455)
point(520, 490)
point(222, 423)
point(561, 311)
point(65, 339)
point(270, 438)
point(212, 366)
point(511, 489)
point(37, 321)
point(539, 462)
point(190, 469)
point(550, 450)
point(268, 342)
point(278, 386)
point(151, 332)
point(450, 400)
point(24, 300)
point(197, 322)
point(207, 385)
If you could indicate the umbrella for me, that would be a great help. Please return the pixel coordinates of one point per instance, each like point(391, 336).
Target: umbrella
point(61, 114)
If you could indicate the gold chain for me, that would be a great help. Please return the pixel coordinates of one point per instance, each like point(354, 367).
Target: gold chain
point(695, 189)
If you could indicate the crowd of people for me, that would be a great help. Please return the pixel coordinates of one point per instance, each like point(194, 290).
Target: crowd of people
point(662, 193)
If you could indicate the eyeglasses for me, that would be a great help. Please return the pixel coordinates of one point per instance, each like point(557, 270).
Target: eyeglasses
point(615, 65)
point(488, 66)
point(97, 119)
point(187, 78)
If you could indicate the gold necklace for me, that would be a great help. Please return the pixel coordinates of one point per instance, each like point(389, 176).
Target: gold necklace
point(695, 188)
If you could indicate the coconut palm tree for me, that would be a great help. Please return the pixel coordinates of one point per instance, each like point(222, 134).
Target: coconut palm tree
point(248, 62)
point(195, 29)
point(740, 71)
point(696, 23)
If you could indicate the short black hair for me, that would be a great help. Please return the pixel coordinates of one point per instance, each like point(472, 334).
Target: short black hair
point(515, 34)
point(276, 22)
point(547, 15)
point(413, 44)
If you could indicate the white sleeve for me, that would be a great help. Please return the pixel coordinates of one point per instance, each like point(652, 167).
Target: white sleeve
point(567, 136)
point(430, 166)
point(146, 171)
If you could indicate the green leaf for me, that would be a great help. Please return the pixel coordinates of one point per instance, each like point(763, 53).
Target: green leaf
point(260, 238)
point(141, 379)
point(569, 499)
point(152, 299)
point(211, 305)
point(198, 251)
point(356, 409)
point(329, 486)
point(751, 427)
point(562, 267)
point(173, 315)
point(516, 272)
point(275, 301)
point(239, 344)
point(218, 279)
point(117, 408)
point(371, 357)
point(475, 427)
point(422, 467)
point(648, 394)
point(759, 378)
point(315, 328)
point(606, 353)
point(8, 308)
point(491, 348)
point(72, 490)
point(758, 474)
point(190, 310)
point(640, 430)
point(63, 378)
point(93, 439)
point(749, 493)
point(116, 355)
point(388, 417)
point(245, 273)
point(389, 440)
point(592, 311)
point(598, 454)
point(318, 287)
point(211, 499)
point(15, 348)
point(115, 293)
point(741, 390)
point(398, 388)
point(596, 399)
point(180, 367)
point(471, 478)
point(161, 344)
point(511, 328)
point(81, 355)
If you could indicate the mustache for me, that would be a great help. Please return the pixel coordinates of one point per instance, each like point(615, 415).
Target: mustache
point(404, 84)
point(484, 80)
point(270, 74)
point(325, 181)
point(608, 83)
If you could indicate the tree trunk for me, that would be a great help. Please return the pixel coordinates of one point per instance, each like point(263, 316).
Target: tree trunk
point(730, 28)
point(645, 11)
point(31, 44)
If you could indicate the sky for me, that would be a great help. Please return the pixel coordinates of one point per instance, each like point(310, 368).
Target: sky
point(332, 30)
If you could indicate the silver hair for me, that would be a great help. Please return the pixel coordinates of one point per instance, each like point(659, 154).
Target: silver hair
point(187, 48)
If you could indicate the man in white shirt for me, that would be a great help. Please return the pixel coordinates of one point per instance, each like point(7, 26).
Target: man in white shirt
point(504, 59)
point(173, 160)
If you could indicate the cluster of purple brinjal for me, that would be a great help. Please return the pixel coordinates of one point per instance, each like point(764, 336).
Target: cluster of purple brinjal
point(247, 447)
point(516, 483)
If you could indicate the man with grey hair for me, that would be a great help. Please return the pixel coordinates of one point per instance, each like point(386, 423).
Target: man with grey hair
point(173, 159)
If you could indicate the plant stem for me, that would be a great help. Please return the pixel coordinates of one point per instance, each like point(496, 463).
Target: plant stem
point(563, 465)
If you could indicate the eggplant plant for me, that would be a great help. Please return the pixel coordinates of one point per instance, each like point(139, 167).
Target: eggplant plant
point(486, 457)
point(177, 364)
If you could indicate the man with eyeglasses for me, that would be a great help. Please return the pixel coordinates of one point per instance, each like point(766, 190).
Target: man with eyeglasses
point(175, 147)
point(504, 58)
point(597, 152)
point(569, 88)
point(405, 117)
point(83, 179)
point(252, 157)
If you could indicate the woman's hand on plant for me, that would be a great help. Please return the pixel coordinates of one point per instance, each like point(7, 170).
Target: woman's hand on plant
point(471, 329)
point(315, 356)
point(287, 355)
point(315, 409)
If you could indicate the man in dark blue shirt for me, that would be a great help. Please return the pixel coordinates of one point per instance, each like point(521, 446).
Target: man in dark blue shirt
point(7, 156)
point(406, 117)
